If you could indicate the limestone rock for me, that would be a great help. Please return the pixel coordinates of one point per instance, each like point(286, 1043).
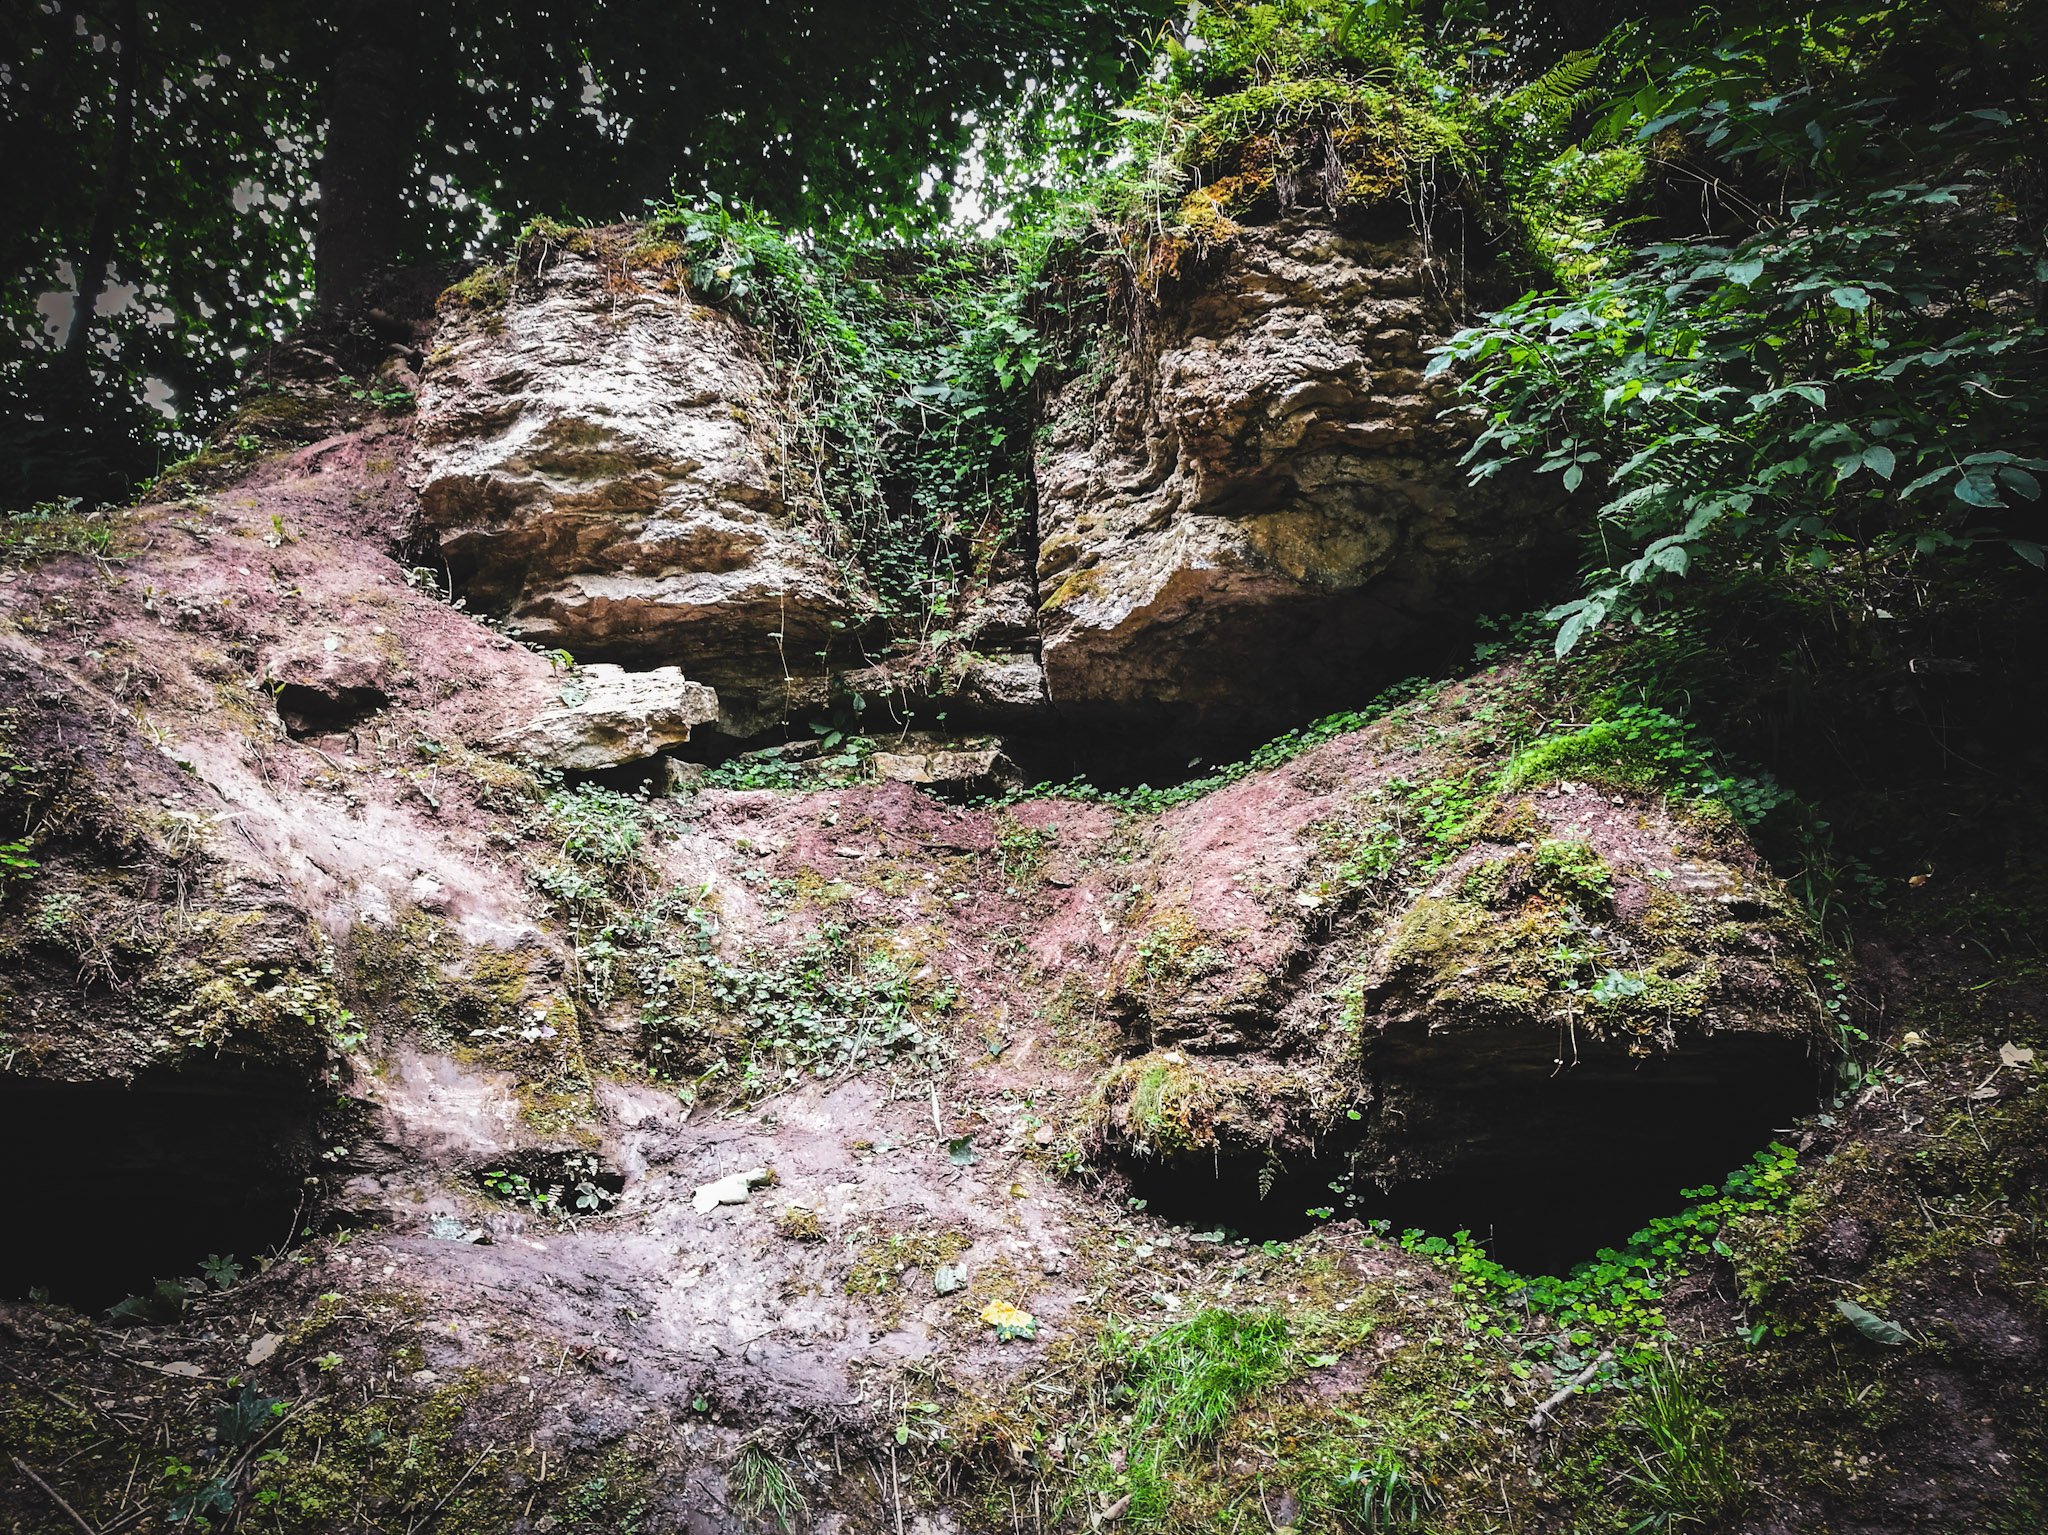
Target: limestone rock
point(1265, 500)
point(1003, 688)
point(732, 1189)
point(601, 464)
point(1001, 614)
point(968, 767)
point(610, 716)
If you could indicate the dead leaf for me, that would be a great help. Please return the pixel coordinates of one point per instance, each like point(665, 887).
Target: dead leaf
point(1009, 1321)
point(2010, 1054)
point(262, 1348)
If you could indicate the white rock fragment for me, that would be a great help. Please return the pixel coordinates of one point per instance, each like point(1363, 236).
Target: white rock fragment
point(729, 1190)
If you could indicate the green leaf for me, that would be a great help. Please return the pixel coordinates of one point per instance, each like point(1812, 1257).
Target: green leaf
point(1977, 489)
point(1848, 297)
point(1871, 1325)
point(1569, 631)
point(1574, 477)
point(1743, 273)
point(1882, 460)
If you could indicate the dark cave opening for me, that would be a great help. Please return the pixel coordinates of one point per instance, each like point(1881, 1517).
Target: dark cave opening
point(325, 711)
point(139, 1183)
point(1543, 1169)
point(1243, 1196)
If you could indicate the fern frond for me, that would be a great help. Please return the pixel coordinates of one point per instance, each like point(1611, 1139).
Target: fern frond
point(1561, 88)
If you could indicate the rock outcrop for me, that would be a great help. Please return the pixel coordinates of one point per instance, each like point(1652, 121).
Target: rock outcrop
point(600, 460)
point(1409, 979)
point(1264, 503)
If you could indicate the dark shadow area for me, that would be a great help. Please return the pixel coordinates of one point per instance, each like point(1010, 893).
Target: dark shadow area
point(1304, 668)
point(1241, 1197)
point(309, 711)
point(1556, 1201)
point(118, 1187)
point(1544, 1170)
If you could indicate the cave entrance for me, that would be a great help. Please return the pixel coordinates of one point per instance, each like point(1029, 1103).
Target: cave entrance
point(117, 1187)
point(1610, 1151)
point(1544, 1167)
point(325, 710)
point(1243, 1196)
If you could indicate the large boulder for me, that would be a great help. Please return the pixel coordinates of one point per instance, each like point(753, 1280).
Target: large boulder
point(1263, 505)
point(601, 462)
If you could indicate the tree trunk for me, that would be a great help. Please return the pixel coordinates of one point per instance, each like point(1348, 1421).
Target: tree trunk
point(373, 119)
point(93, 265)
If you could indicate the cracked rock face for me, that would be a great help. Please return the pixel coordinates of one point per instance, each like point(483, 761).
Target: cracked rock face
point(600, 462)
point(1265, 500)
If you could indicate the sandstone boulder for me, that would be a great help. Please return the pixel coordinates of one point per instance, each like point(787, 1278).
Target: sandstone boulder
point(600, 462)
point(1264, 504)
point(1327, 993)
point(610, 717)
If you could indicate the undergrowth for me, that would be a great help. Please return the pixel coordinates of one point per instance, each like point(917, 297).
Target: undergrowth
point(1616, 1298)
point(50, 528)
point(1175, 1391)
point(914, 372)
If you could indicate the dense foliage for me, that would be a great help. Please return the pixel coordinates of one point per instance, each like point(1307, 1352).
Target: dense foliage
point(172, 156)
point(1843, 373)
point(916, 368)
point(1264, 108)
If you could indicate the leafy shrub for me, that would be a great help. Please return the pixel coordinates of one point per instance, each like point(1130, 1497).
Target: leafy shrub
point(1850, 381)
